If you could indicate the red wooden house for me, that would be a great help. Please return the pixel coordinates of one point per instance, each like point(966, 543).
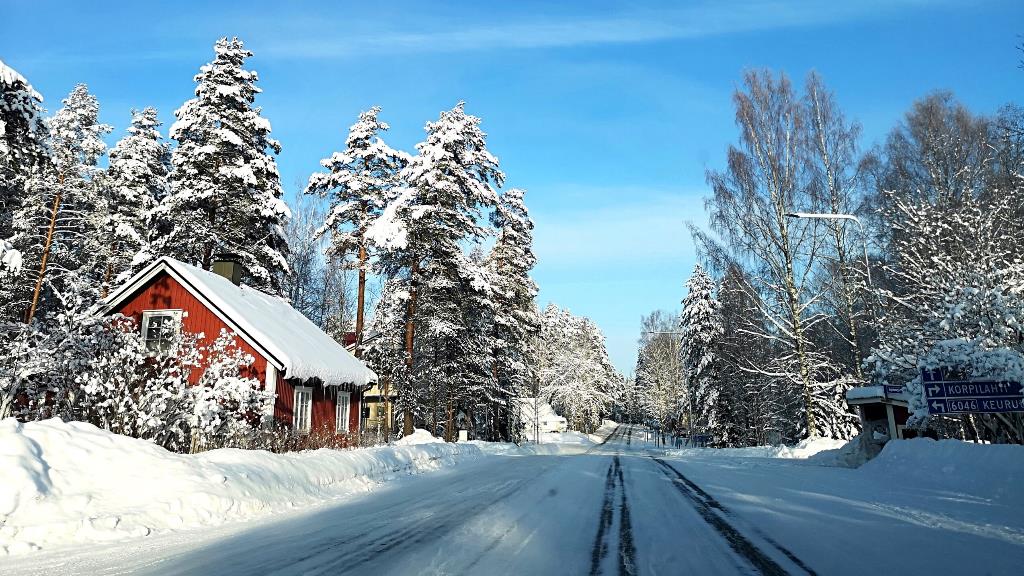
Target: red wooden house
point(317, 382)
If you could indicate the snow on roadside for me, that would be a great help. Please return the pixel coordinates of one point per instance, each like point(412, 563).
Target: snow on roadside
point(418, 436)
point(62, 483)
point(994, 471)
point(551, 443)
point(804, 449)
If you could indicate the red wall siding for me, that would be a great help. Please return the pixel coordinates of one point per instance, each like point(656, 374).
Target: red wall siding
point(285, 402)
point(353, 413)
point(165, 293)
point(323, 411)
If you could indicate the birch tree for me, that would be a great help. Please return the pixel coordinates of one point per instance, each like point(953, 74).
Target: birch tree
point(835, 173)
point(765, 179)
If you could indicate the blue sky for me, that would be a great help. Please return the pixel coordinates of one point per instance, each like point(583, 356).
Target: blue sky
point(608, 113)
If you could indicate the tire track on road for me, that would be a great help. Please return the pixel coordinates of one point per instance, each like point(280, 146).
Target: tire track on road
point(737, 541)
point(615, 485)
point(600, 549)
point(627, 550)
point(712, 502)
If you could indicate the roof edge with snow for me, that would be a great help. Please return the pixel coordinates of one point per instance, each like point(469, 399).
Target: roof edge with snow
point(287, 339)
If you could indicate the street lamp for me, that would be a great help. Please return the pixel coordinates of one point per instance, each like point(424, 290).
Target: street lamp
point(863, 236)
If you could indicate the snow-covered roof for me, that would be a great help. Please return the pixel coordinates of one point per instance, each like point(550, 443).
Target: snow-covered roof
point(290, 341)
point(865, 393)
point(868, 394)
point(529, 407)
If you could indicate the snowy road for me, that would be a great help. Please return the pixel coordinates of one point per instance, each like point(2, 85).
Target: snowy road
point(619, 508)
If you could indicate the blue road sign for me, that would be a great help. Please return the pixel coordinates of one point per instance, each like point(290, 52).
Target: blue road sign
point(893, 389)
point(967, 405)
point(948, 391)
point(972, 389)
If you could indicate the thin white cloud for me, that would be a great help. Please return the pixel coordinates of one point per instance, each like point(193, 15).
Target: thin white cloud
point(702, 20)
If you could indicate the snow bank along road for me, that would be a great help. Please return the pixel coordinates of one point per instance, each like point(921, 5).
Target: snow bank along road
point(619, 508)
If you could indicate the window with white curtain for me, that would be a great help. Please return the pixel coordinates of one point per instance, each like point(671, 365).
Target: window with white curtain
point(341, 413)
point(302, 413)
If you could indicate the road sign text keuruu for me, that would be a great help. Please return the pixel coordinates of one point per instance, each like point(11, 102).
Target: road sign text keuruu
point(950, 392)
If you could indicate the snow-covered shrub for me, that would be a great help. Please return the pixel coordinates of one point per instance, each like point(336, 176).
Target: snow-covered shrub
point(98, 370)
point(10, 259)
point(24, 355)
point(226, 403)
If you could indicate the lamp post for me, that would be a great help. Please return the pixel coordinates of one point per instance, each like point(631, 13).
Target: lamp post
point(867, 262)
point(863, 236)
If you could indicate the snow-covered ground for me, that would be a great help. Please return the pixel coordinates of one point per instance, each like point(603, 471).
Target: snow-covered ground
point(62, 482)
point(622, 506)
point(805, 449)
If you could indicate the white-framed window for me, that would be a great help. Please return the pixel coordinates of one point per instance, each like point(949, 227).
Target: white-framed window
point(160, 329)
point(303, 408)
point(341, 412)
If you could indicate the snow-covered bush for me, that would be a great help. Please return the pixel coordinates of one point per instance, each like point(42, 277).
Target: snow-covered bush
point(227, 404)
point(98, 370)
point(10, 259)
point(24, 355)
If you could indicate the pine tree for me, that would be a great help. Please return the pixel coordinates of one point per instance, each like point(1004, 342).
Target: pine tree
point(22, 141)
point(421, 235)
point(225, 192)
point(137, 181)
point(61, 217)
point(22, 151)
point(701, 327)
point(360, 182)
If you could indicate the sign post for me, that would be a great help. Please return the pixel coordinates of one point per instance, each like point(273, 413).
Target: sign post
point(950, 392)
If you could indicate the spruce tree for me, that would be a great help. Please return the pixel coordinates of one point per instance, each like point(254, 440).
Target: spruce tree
point(701, 327)
point(225, 192)
point(22, 141)
point(515, 322)
point(137, 180)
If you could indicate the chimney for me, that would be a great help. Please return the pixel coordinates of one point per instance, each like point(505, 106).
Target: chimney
point(228, 266)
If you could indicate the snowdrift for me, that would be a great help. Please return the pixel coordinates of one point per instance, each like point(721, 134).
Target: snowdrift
point(993, 470)
point(62, 483)
point(804, 449)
